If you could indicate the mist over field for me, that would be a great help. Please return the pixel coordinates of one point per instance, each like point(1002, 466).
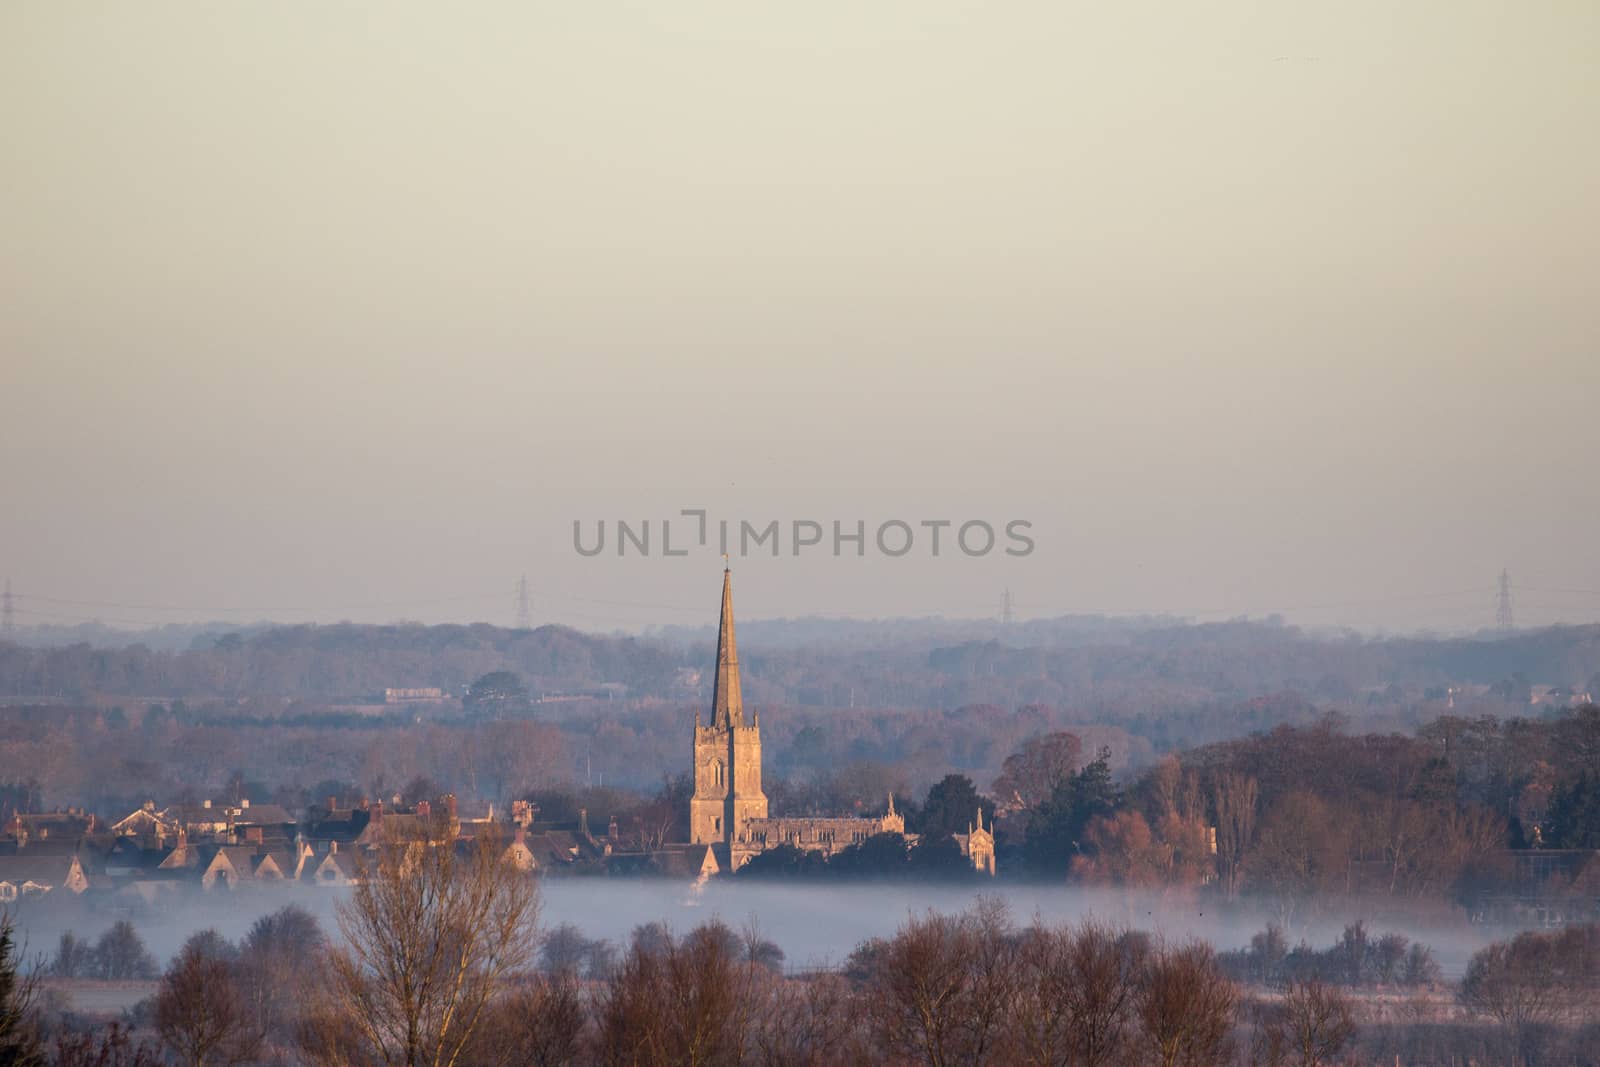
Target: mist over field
point(817, 926)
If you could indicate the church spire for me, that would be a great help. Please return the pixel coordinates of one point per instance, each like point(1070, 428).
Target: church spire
point(727, 706)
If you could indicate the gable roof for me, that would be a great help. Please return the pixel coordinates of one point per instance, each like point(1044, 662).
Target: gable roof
point(275, 864)
point(239, 858)
point(51, 870)
point(144, 821)
point(341, 861)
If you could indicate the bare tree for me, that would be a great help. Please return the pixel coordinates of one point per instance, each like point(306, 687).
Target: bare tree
point(1234, 797)
point(684, 1000)
point(759, 951)
point(19, 1032)
point(1316, 1021)
point(563, 949)
point(1074, 998)
point(1031, 775)
point(432, 931)
point(1079, 986)
point(114, 1048)
point(74, 957)
point(992, 955)
point(1535, 979)
point(279, 951)
point(540, 1023)
point(940, 991)
point(199, 1013)
point(1185, 1007)
point(120, 953)
point(808, 1022)
point(919, 981)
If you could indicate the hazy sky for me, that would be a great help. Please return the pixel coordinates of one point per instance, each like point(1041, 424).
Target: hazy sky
point(322, 310)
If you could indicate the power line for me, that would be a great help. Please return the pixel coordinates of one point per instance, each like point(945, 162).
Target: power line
point(1556, 589)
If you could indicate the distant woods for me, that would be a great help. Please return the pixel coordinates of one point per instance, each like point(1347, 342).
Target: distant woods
point(1117, 670)
point(539, 709)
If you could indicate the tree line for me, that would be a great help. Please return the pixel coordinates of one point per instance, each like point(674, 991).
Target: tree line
point(451, 968)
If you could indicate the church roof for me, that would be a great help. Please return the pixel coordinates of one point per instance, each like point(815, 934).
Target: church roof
point(727, 705)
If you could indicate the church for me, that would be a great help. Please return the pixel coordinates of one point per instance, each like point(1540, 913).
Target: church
point(728, 811)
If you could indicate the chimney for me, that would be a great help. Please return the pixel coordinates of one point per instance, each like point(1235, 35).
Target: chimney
point(333, 846)
point(583, 821)
point(377, 812)
point(332, 803)
point(244, 804)
point(450, 805)
point(90, 827)
point(611, 831)
point(365, 804)
point(424, 809)
point(206, 804)
point(520, 837)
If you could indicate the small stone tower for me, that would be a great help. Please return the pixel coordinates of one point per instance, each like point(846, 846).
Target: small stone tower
point(727, 754)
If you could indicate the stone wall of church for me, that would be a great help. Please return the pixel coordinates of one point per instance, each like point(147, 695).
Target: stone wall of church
point(708, 808)
point(749, 802)
point(812, 835)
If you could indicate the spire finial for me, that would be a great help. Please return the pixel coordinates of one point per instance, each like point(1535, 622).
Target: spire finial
point(727, 705)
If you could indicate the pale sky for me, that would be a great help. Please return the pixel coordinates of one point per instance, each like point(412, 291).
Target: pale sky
point(334, 310)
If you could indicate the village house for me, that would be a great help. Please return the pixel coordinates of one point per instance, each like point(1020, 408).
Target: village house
point(25, 875)
point(335, 870)
point(208, 821)
point(71, 825)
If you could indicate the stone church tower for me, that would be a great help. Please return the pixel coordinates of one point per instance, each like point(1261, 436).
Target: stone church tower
point(727, 754)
